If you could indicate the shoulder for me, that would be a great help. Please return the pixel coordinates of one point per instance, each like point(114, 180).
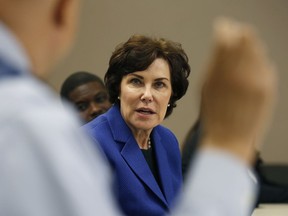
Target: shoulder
point(97, 126)
point(99, 131)
point(167, 139)
point(165, 133)
point(33, 104)
point(109, 124)
point(34, 118)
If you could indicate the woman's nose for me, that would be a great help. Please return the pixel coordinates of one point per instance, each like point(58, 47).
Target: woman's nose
point(147, 95)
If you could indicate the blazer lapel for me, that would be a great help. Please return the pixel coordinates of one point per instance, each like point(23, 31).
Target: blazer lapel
point(136, 161)
point(132, 153)
point(163, 167)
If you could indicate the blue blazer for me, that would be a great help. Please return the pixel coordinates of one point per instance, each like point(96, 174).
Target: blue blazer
point(136, 189)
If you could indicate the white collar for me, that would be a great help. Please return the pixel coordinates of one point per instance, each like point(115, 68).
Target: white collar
point(11, 49)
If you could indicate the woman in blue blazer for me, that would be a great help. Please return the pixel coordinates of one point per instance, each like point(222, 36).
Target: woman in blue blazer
point(145, 78)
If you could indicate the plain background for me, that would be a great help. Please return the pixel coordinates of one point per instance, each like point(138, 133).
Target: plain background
point(106, 23)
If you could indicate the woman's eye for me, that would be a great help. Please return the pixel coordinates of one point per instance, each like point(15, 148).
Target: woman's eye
point(159, 84)
point(135, 81)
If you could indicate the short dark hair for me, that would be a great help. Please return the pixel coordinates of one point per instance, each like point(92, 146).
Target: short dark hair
point(137, 54)
point(76, 79)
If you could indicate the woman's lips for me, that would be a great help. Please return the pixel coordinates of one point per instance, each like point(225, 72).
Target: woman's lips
point(146, 111)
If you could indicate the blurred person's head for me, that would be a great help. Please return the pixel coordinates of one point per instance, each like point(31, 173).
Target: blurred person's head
point(86, 91)
point(45, 28)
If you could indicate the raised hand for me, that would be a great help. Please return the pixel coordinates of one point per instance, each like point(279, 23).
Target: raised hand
point(239, 90)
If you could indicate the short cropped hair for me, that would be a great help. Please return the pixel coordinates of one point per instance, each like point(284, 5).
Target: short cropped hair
point(137, 54)
point(76, 79)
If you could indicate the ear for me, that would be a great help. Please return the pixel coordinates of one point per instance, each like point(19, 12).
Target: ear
point(62, 12)
point(64, 22)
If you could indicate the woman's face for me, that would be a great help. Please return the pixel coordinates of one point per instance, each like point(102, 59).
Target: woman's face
point(145, 96)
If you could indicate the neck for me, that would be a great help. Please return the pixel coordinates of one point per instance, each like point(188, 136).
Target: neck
point(143, 141)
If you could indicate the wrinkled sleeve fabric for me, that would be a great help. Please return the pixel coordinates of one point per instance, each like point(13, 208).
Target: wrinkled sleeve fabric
point(218, 184)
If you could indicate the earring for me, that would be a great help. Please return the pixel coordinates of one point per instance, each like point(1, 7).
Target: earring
point(118, 97)
point(168, 105)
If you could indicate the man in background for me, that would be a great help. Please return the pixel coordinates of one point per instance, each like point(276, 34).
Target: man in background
point(49, 168)
point(87, 93)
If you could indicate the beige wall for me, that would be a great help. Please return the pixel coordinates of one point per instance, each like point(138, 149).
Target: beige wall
point(105, 23)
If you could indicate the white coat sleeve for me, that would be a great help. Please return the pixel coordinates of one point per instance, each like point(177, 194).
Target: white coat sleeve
point(219, 184)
